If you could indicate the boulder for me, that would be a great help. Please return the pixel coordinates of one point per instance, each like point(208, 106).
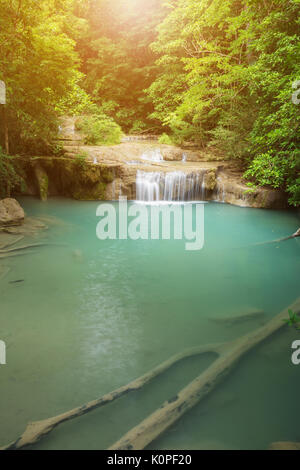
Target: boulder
point(11, 213)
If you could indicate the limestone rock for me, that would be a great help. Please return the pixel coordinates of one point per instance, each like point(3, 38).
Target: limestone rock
point(42, 181)
point(11, 213)
point(76, 174)
point(210, 179)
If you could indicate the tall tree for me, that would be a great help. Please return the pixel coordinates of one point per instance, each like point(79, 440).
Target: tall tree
point(40, 67)
point(116, 57)
point(225, 78)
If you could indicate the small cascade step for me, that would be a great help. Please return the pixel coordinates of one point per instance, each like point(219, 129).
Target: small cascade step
point(170, 186)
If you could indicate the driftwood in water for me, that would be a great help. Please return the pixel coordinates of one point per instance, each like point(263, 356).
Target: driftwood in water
point(23, 247)
point(21, 250)
point(158, 422)
point(296, 234)
point(251, 314)
point(14, 254)
point(8, 240)
point(285, 446)
point(153, 426)
point(38, 429)
point(290, 237)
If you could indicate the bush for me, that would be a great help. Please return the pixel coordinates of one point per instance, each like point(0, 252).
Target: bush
point(278, 170)
point(80, 159)
point(138, 127)
point(9, 179)
point(165, 139)
point(99, 130)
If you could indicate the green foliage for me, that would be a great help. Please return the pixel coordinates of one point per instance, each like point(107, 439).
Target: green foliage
point(99, 130)
point(80, 160)
point(226, 70)
point(216, 72)
point(116, 59)
point(138, 127)
point(40, 67)
point(173, 139)
point(9, 178)
point(165, 139)
point(293, 319)
point(57, 150)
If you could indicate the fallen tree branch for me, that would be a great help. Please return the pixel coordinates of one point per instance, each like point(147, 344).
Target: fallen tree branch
point(38, 429)
point(290, 237)
point(296, 234)
point(25, 247)
point(282, 445)
point(19, 248)
point(14, 254)
point(11, 243)
point(12, 251)
point(154, 425)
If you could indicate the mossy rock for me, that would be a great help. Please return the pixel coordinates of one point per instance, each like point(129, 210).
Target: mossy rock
point(95, 193)
point(42, 181)
point(107, 174)
point(210, 180)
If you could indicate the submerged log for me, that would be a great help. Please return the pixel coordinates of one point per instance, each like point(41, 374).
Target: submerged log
point(15, 251)
point(23, 247)
point(38, 429)
point(14, 254)
point(290, 237)
point(159, 421)
point(8, 240)
point(246, 316)
point(285, 446)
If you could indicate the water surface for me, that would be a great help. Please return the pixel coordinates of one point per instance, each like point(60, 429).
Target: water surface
point(93, 315)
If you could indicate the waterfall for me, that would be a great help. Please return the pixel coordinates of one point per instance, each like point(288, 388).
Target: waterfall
point(172, 186)
point(153, 156)
point(147, 186)
point(221, 192)
point(183, 158)
point(113, 189)
point(203, 188)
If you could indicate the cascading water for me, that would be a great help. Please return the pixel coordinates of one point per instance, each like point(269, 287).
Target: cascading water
point(221, 192)
point(147, 186)
point(153, 156)
point(172, 186)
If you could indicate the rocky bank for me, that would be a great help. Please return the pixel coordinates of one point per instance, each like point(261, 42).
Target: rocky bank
point(106, 172)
